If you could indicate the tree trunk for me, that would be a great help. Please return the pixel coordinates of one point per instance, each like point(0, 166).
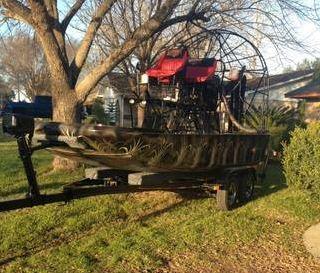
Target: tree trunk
point(66, 109)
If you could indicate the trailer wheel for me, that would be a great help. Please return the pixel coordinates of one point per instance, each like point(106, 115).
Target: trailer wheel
point(246, 187)
point(228, 196)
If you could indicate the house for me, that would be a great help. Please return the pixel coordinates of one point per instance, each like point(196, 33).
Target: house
point(281, 84)
point(291, 88)
point(115, 91)
point(310, 93)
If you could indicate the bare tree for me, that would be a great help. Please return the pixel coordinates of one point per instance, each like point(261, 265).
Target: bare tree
point(23, 66)
point(264, 22)
point(68, 90)
point(4, 88)
point(120, 24)
point(267, 22)
point(5, 93)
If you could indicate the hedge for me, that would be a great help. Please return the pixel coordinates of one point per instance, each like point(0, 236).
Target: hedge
point(301, 160)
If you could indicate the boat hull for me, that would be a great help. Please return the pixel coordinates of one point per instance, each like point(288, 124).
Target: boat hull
point(150, 150)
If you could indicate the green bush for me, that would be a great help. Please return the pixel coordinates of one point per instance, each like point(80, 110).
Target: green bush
point(98, 114)
point(301, 159)
point(280, 121)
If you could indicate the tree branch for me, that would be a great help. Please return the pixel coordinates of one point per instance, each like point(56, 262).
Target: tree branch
point(53, 17)
point(16, 10)
point(72, 12)
point(83, 50)
point(51, 40)
point(52, 9)
point(119, 54)
point(192, 16)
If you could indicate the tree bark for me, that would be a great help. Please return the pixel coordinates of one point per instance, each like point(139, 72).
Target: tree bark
point(66, 109)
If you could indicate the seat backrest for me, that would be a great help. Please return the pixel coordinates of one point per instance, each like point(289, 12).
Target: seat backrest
point(169, 64)
point(172, 64)
point(174, 59)
point(200, 70)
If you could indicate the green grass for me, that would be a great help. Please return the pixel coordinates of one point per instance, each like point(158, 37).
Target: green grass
point(151, 232)
point(3, 138)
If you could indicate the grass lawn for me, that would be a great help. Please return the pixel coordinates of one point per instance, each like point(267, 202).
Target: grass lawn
point(3, 138)
point(151, 232)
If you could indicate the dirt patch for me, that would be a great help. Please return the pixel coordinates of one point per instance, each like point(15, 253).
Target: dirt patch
point(258, 257)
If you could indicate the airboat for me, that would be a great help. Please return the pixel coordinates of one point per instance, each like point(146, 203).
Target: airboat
point(190, 120)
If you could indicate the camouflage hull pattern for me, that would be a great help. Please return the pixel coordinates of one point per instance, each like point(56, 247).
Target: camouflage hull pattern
point(150, 150)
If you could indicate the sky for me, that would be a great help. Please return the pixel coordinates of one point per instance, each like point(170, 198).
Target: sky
point(307, 32)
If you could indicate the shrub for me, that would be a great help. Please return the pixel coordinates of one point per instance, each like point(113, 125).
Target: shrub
point(98, 114)
point(280, 121)
point(301, 159)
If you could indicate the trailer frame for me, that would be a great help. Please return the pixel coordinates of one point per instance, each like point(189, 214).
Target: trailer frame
point(111, 181)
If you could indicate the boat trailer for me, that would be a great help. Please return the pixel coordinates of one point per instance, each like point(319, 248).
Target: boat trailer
point(232, 186)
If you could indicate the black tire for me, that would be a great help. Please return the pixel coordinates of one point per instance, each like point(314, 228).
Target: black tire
point(246, 187)
point(227, 198)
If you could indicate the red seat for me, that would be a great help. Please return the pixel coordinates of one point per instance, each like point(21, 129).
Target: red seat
point(200, 70)
point(169, 64)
